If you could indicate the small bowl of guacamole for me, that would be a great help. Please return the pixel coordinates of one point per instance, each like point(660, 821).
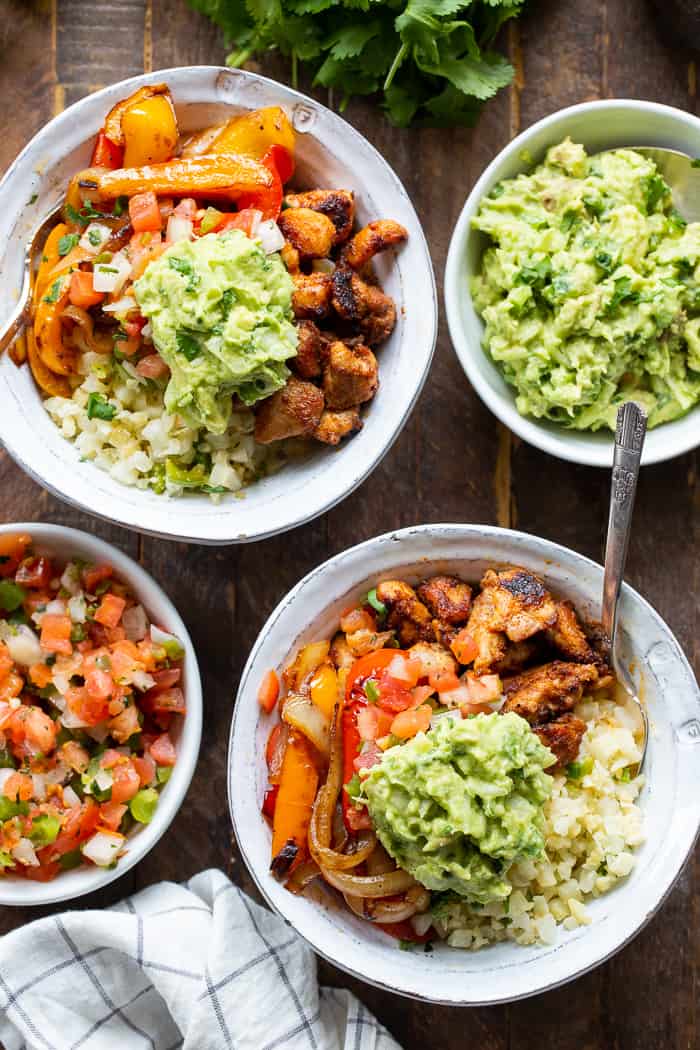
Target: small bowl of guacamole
point(573, 284)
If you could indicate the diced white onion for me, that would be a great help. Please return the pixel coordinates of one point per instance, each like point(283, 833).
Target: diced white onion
point(122, 306)
point(142, 680)
point(456, 697)
point(135, 623)
point(5, 775)
point(323, 266)
point(147, 331)
point(99, 732)
point(159, 637)
point(58, 774)
point(179, 229)
point(422, 923)
point(56, 607)
point(70, 580)
point(23, 645)
point(69, 797)
point(103, 847)
point(39, 784)
point(103, 779)
point(24, 853)
point(95, 230)
point(70, 720)
point(270, 236)
point(77, 609)
point(62, 682)
point(111, 276)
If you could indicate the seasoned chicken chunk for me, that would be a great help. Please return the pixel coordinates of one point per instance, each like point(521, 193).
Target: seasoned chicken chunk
point(337, 205)
point(543, 693)
point(341, 654)
point(370, 240)
point(448, 598)
point(334, 426)
point(406, 613)
point(307, 364)
point(563, 738)
point(517, 654)
point(311, 298)
point(310, 232)
point(364, 305)
point(492, 644)
point(566, 635)
point(350, 377)
point(522, 604)
point(291, 412)
point(434, 658)
point(290, 257)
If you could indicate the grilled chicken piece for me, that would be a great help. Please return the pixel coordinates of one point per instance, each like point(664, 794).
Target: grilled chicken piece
point(311, 298)
point(492, 644)
point(341, 654)
point(566, 635)
point(350, 377)
point(543, 693)
point(310, 232)
point(517, 654)
point(337, 205)
point(406, 614)
point(290, 257)
point(448, 598)
point(334, 426)
point(308, 362)
point(370, 240)
point(522, 604)
point(364, 305)
point(563, 738)
point(291, 412)
point(434, 657)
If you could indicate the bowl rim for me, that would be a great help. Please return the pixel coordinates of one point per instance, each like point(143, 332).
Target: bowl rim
point(301, 513)
point(544, 435)
point(457, 532)
point(173, 795)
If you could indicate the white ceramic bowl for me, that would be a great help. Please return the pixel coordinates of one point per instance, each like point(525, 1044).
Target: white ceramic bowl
point(671, 799)
point(187, 730)
point(599, 126)
point(329, 153)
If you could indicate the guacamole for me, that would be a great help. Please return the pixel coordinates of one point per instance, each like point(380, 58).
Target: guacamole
point(457, 806)
point(590, 291)
point(221, 314)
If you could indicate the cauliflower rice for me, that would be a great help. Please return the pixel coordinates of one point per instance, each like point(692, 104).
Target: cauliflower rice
point(135, 445)
point(592, 827)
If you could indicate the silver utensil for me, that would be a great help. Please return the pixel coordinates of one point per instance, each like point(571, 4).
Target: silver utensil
point(19, 317)
point(682, 173)
point(629, 440)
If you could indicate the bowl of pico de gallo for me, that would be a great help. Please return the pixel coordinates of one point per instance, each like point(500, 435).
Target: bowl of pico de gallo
point(100, 713)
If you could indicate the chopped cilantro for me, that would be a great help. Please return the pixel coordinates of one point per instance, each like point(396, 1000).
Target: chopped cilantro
point(187, 344)
point(99, 408)
point(55, 291)
point(67, 242)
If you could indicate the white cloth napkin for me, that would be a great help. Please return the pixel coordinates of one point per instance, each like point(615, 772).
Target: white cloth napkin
point(198, 966)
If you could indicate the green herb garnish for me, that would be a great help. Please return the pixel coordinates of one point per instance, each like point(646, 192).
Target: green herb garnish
point(11, 595)
point(67, 243)
point(376, 604)
point(99, 408)
point(187, 345)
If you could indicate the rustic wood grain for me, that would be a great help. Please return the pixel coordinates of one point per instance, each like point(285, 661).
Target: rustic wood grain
point(453, 462)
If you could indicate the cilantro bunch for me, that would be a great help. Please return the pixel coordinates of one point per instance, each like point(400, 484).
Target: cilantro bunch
point(431, 59)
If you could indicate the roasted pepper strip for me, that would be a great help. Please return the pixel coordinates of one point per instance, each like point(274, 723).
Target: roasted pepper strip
point(113, 123)
point(221, 176)
point(354, 817)
point(49, 258)
point(297, 791)
point(50, 383)
point(48, 331)
point(150, 132)
point(252, 134)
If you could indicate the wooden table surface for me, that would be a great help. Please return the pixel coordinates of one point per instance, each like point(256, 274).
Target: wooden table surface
point(453, 462)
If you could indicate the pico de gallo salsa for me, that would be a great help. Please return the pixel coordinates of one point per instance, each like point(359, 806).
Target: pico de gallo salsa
point(89, 690)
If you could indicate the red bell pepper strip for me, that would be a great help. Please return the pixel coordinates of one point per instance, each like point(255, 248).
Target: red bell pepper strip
point(268, 199)
point(106, 154)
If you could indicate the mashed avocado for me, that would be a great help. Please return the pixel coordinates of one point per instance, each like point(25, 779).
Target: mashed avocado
point(457, 806)
point(220, 310)
point(590, 293)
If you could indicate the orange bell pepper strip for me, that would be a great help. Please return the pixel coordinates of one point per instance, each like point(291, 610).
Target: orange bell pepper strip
point(48, 330)
point(221, 176)
point(297, 791)
point(113, 127)
point(48, 381)
point(50, 257)
point(150, 132)
point(252, 134)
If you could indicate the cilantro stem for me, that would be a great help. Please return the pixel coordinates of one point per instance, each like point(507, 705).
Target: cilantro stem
point(398, 59)
point(295, 70)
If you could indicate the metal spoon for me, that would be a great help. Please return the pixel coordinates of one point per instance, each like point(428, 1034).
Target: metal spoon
point(19, 318)
point(681, 172)
point(629, 439)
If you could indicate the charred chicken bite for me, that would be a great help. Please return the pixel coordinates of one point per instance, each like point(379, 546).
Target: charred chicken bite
point(507, 652)
point(191, 298)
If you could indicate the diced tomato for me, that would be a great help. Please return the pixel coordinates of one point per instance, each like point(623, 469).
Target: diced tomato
point(81, 291)
point(124, 723)
point(134, 328)
point(126, 781)
point(169, 700)
point(94, 574)
point(31, 731)
point(464, 647)
point(163, 751)
point(484, 689)
point(269, 801)
point(145, 767)
point(111, 814)
point(186, 209)
point(12, 549)
point(405, 670)
point(368, 666)
point(152, 366)
point(75, 756)
point(444, 681)
point(355, 817)
point(99, 684)
point(283, 161)
point(408, 723)
point(46, 872)
point(78, 825)
point(88, 709)
point(34, 573)
point(269, 691)
point(373, 722)
point(7, 663)
point(18, 786)
point(268, 200)
point(421, 693)
point(110, 610)
point(475, 709)
point(55, 633)
point(106, 154)
point(244, 220)
point(39, 674)
point(11, 686)
point(393, 695)
point(166, 678)
point(369, 756)
point(144, 213)
point(144, 248)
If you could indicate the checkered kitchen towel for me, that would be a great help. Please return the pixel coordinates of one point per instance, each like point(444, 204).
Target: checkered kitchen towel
point(197, 966)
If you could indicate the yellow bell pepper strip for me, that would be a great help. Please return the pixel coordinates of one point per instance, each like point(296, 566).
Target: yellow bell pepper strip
point(113, 127)
point(150, 132)
point(48, 330)
point(18, 351)
point(324, 689)
point(50, 256)
point(252, 134)
point(221, 176)
point(48, 381)
point(297, 791)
